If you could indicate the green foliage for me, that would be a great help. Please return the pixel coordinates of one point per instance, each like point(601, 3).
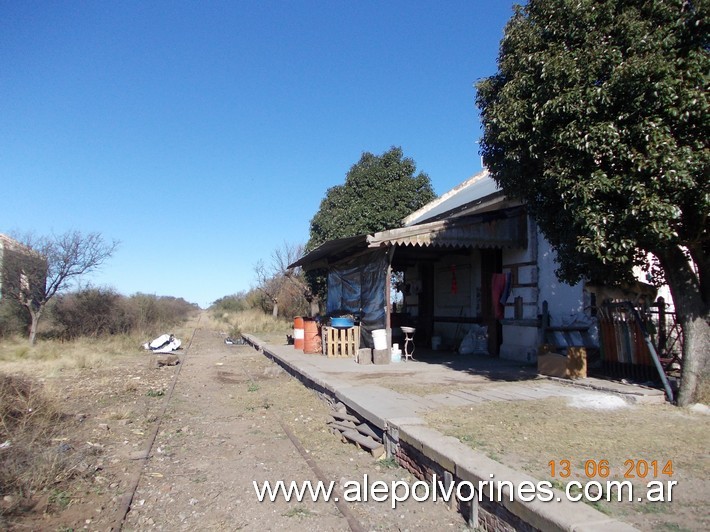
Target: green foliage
point(388, 463)
point(14, 318)
point(59, 498)
point(225, 308)
point(379, 191)
point(598, 118)
point(234, 303)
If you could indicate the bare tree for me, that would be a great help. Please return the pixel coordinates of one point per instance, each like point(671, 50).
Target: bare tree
point(40, 267)
point(287, 256)
point(270, 284)
point(276, 280)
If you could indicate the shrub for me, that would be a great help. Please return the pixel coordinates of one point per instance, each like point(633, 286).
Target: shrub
point(14, 318)
point(94, 312)
point(91, 312)
point(150, 313)
point(30, 462)
point(233, 303)
point(291, 303)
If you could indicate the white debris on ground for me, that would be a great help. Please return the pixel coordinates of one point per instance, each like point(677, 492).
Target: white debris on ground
point(700, 408)
point(165, 343)
point(598, 401)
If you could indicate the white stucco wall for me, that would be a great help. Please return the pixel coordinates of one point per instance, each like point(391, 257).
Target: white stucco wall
point(520, 341)
point(565, 302)
point(535, 268)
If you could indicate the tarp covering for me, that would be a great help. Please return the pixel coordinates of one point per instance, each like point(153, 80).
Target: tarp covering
point(357, 287)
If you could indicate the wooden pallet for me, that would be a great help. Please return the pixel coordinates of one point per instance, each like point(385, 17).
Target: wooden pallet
point(341, 342)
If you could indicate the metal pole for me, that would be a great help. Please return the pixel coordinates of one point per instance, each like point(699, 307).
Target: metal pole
point(654, 355)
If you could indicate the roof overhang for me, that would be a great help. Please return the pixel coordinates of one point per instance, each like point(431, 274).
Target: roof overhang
point(500, 229)
point(506, 229)
point(331, 251)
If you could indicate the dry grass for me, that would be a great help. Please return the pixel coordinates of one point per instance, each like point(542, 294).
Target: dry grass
point(45, 466)
point(29, 460)
point(703, 395)
point(50, 357)
point(251, 321)
point(528, 435)
point(46, 393)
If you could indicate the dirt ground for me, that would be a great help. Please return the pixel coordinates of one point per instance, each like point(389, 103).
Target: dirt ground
point(219, 431)
point(529, 435)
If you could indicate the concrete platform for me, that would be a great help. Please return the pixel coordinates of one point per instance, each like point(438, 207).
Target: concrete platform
point(378, 394)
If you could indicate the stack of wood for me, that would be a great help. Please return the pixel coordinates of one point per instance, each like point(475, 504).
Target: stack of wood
point(351, 429)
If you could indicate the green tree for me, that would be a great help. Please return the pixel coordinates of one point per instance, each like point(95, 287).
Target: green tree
point(598, 118)
point(379, 191)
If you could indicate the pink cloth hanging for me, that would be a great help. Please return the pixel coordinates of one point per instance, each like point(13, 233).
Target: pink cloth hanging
point(498, 281)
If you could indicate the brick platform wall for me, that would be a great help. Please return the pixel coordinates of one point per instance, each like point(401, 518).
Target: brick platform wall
point(492, 516)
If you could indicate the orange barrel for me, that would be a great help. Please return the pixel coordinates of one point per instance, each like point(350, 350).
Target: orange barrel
point(311, 338)
point(298, 332)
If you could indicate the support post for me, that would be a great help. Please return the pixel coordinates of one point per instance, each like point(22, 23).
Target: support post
point(388, 301)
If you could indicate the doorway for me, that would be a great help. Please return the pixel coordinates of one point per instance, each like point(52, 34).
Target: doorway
point(491, 263)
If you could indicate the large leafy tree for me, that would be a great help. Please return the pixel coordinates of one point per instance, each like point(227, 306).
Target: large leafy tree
point(598, 118)
point(379, 191)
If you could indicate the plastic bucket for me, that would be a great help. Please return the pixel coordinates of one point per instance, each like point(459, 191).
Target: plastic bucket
point(298, 332)
point(379, 337)
point(311, 337)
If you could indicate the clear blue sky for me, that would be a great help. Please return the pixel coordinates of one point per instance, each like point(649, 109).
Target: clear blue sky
point(204, 134)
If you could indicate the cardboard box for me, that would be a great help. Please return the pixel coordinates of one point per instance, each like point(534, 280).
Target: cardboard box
point(572, 366)
point(577, 363)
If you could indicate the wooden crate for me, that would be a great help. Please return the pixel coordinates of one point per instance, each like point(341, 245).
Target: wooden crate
point(341, 342)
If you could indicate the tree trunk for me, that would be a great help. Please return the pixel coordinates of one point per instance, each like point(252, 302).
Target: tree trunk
point(275, 311)
point(693, 314)
point(35, 315)
point(314, 307)
point(696, 352)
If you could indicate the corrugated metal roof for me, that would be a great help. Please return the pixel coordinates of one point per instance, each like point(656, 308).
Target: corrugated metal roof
point(330, 251)
point(505, 229)
point(478, 188)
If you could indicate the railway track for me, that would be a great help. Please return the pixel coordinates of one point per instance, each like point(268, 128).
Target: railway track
point(232, 418)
